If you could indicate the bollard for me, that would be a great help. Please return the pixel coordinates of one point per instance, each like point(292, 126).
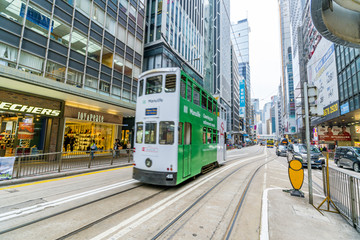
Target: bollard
point(18, 168)
point(60, 162)
point(352, 201)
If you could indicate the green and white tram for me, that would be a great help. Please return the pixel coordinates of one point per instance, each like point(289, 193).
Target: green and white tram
point(179, 133)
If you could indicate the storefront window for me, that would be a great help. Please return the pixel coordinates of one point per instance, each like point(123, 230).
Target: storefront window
point(31, 63)
point(166, 133)
point(61, 32)
point(80, 134)
point(139, 132)
point(150, 133)
point(78, 41)
point(55, 71)
point(8, 55)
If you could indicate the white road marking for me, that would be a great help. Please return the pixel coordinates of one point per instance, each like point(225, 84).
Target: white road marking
point(129, 224)
point(42, 206)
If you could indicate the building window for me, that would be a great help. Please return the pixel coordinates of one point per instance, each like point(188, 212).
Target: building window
point(94, 50)
point(78, 42)
point(110, 24)
point(170, 83)
point(11, 11)
point(128, 69)
point(55, 71)
point(74, 78)
point(118, 63)
point(37, 19)
point(98, 15)
point(31, 63)
point(121, 33)
point(8, 55)
point(116, 91)
point(105, 87)
point(91, 82)
point(84, 6)
point(61, 32)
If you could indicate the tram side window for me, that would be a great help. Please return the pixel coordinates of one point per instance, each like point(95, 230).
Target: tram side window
point(139, 132)
point(209, 136)
point(214, 108)
point(170, 83)
point(204, 135)
point(180, 128)
point(153, 85)
point(196, 95)
point(217, 136)
point(183, 89)
point(166, 132)
point(141, 87)
point(210, 105)
point(203, 100)
point(189, 91)
point(214, 136)
point(150, 133)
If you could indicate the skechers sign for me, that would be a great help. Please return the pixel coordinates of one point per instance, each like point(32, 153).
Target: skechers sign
point(29, 109)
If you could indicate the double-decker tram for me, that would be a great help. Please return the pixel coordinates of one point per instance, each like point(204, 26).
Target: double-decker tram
point(178, 130)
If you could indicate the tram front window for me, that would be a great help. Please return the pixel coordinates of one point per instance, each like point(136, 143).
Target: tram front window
point(139, 132)
point(166, 132)
point(153, 85)
point(170, 83)
point(150, 133)
point(141, 87)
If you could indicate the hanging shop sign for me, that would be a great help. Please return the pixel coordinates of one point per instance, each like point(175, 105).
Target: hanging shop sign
point(334, 133)
point(90, 117)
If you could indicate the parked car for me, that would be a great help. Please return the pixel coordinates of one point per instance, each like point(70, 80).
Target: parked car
point(348, 157)
point(298, 151)
point(281, 150)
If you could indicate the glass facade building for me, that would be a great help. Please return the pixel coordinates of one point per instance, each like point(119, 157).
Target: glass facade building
point(83, 56)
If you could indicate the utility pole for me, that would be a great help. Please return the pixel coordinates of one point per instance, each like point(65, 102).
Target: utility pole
point(307, 131)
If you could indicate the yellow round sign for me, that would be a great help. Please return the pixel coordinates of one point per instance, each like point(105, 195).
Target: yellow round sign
point(296, 174)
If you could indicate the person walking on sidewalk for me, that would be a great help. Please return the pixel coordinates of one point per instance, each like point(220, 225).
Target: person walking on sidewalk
point(93, 148)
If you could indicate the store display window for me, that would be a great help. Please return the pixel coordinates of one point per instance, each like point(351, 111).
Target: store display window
point(79, 135)
point(21, 134)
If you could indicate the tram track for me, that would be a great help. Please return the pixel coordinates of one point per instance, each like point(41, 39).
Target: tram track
point(198, 200)
point(86, 205)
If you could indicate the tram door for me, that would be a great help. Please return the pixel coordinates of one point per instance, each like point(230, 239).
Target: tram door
point(187, 150)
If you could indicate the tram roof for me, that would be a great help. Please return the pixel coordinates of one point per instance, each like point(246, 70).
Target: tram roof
point(159, 70)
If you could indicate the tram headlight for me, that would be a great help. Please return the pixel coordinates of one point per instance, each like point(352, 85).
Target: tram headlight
point(148, 162)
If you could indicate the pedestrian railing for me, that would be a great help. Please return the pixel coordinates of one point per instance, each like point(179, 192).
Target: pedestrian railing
point(38, 164)
point(345, 193)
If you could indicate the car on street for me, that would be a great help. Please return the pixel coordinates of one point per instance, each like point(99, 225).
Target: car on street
point(348, 157)
point(299, 152)
point(281, 150)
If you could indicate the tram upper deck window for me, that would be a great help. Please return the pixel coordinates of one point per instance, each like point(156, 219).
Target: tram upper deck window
point(214, 108)
point(141, 87)
point(196, 95)
point(166, 132)
point(183, 87)
point(170, 83)
point(150, 133)
point(189, 91)
point(203, 100)
point(210, 105)
point(139, 132)
point(153, 85)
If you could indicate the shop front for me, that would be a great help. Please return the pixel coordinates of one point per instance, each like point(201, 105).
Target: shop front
point(28, 124)
point(83, 126)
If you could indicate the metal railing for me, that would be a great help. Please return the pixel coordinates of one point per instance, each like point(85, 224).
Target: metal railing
point(39, 164)
point(345, 193)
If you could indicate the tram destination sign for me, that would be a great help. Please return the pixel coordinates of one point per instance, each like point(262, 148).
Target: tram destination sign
point(150, 111)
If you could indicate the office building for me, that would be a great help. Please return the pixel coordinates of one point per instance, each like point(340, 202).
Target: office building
point(68, 73)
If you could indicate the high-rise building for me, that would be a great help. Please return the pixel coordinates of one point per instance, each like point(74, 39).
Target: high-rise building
point(174, 36)
point(240, 39)
point(68, 72)
point(235, 99)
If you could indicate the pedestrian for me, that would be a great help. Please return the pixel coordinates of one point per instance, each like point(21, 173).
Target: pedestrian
point(93, 148)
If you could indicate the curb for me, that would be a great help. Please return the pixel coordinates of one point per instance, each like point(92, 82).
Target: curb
point(56, 175)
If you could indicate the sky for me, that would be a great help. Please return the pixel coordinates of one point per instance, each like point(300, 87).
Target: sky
point(265, 60)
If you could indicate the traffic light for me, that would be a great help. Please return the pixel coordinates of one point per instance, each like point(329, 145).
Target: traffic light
point(315, 109)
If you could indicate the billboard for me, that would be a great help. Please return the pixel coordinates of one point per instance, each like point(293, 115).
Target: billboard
point(322, 73)
point(334, 133)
